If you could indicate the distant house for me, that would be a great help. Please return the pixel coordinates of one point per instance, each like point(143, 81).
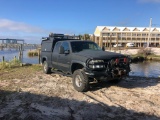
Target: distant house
point(104, 35)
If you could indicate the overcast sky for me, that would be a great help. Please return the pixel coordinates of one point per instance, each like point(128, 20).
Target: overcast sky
point(32, 19)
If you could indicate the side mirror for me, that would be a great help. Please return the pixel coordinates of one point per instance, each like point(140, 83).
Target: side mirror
point(66, 52)
point(61, 50)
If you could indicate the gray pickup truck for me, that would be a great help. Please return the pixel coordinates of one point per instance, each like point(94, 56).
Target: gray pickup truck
point(84, 60)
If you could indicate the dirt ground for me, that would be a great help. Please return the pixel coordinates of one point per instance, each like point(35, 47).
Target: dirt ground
point(28, 94)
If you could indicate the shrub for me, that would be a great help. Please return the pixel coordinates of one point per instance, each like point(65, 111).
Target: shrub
point(13, 63)
point(33, 53)
point(145, 52)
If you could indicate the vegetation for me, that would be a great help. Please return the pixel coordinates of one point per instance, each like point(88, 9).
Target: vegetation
point(19, 72)
point(84, 37)
point(13, 63)
point(145, 52)
point(33, 53)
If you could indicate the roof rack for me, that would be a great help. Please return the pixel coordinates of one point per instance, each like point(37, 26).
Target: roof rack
point(60, 36)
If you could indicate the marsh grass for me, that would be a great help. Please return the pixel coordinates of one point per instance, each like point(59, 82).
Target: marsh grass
point(13, 63)
point(33, 53)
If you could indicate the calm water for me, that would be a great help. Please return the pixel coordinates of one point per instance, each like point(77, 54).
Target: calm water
point(9, 55)
point(144, 69)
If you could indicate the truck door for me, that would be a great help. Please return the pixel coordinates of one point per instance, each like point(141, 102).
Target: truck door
point(64, 59)
point(55, 55)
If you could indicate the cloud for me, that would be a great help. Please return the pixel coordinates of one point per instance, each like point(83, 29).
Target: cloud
point(20, 30)
point(149, 1)
point(9, 25)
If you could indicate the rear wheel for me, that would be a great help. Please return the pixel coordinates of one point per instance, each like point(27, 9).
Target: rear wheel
point(46, 68)
point(80, 81)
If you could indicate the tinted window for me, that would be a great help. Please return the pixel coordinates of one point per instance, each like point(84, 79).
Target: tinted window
point(65, 45)
point(81, 45)
point(56, 48)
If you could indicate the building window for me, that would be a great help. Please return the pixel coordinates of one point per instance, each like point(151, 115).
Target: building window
point(133, 34)
point(97, 38)
point(113, 34)
point(144, 35)
point(128, 34)
point(106, 34)
point(158, 35)
point(123, 34)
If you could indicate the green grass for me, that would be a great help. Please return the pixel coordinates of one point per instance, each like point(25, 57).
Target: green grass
point(13, 63)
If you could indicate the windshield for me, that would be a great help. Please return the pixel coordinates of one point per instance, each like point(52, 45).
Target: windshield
point(78, 46)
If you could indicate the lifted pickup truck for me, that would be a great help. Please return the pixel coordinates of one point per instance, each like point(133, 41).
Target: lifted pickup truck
point(84, 60)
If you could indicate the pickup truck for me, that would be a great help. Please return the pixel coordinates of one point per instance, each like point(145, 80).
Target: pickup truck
point(84, 60)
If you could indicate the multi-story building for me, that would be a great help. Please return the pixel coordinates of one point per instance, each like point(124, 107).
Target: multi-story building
point(109, 35)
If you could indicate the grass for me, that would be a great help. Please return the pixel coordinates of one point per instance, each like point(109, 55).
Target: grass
point(33, 53)
point(147, 54)
point(19, 72)
point(13, 63)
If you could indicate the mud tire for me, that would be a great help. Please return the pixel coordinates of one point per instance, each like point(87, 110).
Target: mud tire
point(80, 81)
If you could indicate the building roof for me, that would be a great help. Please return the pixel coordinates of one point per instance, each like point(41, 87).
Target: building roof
point(100, 29)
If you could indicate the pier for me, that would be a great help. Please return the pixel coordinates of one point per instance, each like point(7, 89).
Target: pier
point(11, 44)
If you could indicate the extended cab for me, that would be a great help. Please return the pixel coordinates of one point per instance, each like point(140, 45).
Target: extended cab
point(85, 61)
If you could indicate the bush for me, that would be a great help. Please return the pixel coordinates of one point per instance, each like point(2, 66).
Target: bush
point(13, 63)
point(145, 52)
point(33, 53)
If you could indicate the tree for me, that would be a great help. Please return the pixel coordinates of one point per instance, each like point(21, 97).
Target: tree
point(86, 37)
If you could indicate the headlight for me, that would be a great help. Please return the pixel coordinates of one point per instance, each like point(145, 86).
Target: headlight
point(96, 61)
point(96, 64)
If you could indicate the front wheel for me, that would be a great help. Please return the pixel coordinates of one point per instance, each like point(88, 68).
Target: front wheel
point(46, 68)
point(80, 81)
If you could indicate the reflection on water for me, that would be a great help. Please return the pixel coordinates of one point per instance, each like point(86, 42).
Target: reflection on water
point(146, 69)
point(10, 54)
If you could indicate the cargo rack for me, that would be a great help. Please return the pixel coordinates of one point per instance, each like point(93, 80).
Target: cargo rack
point(61, 37)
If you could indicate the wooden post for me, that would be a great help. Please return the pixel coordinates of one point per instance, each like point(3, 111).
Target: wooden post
point(3, 59)
point(39, 56)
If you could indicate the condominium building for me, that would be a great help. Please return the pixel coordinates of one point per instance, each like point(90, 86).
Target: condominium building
point(110, 35)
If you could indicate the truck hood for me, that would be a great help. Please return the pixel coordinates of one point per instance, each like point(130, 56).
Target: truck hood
point(99, 54)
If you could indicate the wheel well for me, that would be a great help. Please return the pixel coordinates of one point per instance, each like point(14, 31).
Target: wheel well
point(43, 59)
point(76, 66)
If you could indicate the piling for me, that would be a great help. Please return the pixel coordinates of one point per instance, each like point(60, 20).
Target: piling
point(2, 58)
point(39, 56)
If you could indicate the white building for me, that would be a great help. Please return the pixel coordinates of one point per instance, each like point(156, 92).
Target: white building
point(110, 35)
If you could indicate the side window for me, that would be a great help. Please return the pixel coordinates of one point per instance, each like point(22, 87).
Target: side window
point(65, 45)
point(56, 48)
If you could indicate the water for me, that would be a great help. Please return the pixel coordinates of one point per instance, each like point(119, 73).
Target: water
point(146, 69)
point(9, 55)
point(143, 69)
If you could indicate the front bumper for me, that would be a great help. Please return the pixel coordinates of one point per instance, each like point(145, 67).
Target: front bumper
point(104, 74)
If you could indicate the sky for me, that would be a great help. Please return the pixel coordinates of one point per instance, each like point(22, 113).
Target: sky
point(33, 19)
